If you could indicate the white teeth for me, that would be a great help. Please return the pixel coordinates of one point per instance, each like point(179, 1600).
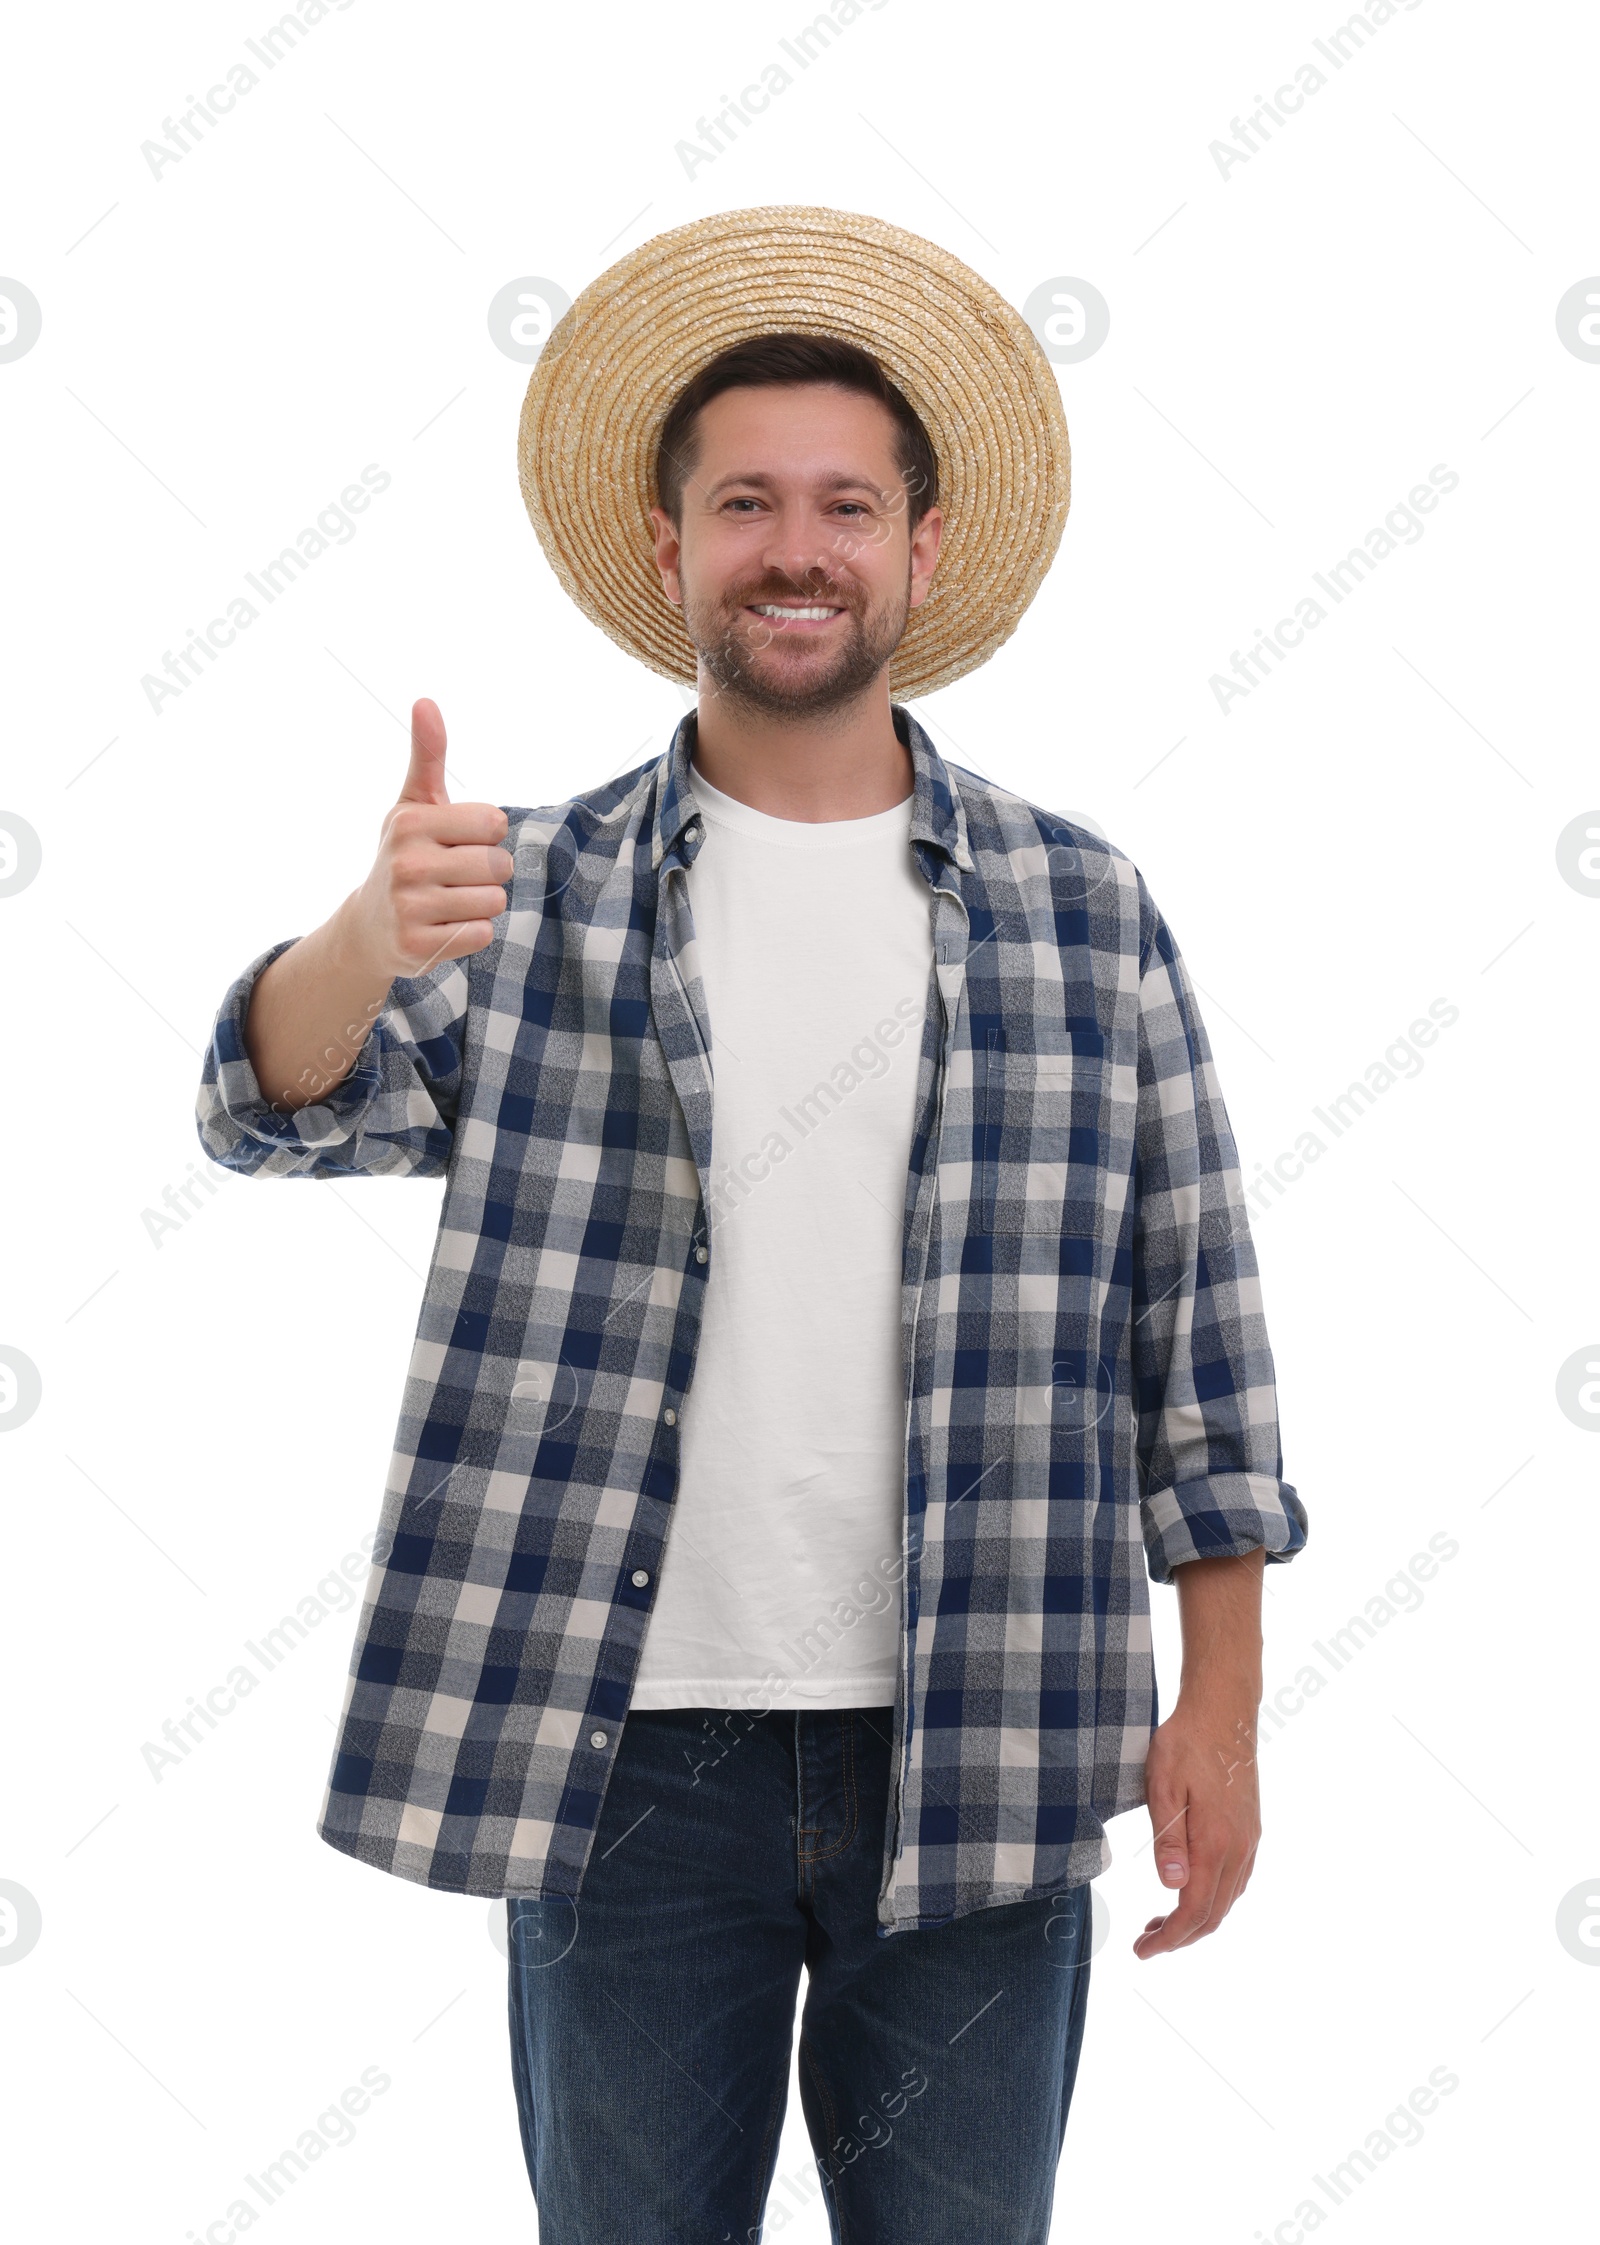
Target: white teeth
point(806, 615)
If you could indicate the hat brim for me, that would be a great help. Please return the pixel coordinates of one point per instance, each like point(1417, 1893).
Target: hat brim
point(962, 355)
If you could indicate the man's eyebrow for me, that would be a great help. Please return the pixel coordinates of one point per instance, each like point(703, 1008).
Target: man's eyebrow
point(837, 479)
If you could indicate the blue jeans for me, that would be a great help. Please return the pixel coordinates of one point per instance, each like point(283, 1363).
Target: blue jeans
point(651, 2017)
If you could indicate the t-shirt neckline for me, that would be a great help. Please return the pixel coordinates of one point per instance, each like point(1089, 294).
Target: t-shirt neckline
point(803, 834)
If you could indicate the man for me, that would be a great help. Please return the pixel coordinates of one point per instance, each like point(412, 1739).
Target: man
point(843, 1299)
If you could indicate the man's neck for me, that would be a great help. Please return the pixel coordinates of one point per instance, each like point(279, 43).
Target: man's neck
point(846, 764)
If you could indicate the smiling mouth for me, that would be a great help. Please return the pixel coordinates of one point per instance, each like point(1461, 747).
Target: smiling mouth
point(793, 616)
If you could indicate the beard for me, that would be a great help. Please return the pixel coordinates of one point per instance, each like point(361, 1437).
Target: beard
point(752, 664)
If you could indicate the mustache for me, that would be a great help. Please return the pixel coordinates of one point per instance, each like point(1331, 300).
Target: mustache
point(815, 588)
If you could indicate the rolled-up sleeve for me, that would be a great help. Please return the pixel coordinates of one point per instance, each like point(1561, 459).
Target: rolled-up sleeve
point(393, 1115)
point(1210, 1456)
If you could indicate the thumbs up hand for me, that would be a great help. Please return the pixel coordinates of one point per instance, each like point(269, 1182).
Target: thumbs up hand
point(437, 884)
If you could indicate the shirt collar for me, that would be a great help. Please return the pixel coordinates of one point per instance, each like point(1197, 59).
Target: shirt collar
point(938, 815)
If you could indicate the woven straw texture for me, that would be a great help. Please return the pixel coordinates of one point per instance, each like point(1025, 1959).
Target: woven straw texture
point(965, 358)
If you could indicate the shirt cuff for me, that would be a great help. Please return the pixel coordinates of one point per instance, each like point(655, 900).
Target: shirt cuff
point(1221, 1517)
point(233, 1091)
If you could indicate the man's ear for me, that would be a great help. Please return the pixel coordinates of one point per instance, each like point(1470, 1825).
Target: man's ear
point(668, 553)
point(925, 554)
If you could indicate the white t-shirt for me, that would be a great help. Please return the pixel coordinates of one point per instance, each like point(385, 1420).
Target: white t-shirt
point(780, 1583)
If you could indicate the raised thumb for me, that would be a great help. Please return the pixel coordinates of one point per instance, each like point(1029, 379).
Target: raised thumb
point(424, 781)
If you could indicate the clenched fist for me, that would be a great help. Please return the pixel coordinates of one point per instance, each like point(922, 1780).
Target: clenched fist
point(437, 884)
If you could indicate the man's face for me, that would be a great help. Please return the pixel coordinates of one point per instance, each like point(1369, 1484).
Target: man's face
point(794, 564)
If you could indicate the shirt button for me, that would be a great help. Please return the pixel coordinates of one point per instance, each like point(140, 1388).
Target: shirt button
point(691, 833)
point(702, 1254)
point(670, 1416)
point(597, 1738)
point(639, 1577)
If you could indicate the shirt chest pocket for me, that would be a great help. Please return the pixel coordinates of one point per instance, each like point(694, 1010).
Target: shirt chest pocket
point(1051, 1122)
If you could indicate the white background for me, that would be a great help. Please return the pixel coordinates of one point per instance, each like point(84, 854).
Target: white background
point(1292, 347)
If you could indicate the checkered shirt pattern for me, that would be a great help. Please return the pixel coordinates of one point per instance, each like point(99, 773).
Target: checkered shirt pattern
point(1088, 1387)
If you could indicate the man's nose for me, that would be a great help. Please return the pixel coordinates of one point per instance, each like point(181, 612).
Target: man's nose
point(798, 548)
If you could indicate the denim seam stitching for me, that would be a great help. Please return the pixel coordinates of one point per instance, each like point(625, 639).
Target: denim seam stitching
point(821, 1855)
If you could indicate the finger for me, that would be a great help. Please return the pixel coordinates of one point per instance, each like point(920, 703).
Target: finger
point(447, 822)
point(468, 862)
point(424, 780)
point(1193, 1915)
point(1169, 1820)
point(1210, 1911)
point(1235, 1878)
point(434, 907)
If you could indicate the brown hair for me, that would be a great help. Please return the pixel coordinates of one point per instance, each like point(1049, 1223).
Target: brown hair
point(779, 361)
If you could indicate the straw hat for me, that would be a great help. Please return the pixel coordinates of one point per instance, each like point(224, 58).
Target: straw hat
point(962, 355)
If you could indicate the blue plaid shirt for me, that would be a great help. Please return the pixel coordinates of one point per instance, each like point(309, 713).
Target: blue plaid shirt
point(1088, 1385)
